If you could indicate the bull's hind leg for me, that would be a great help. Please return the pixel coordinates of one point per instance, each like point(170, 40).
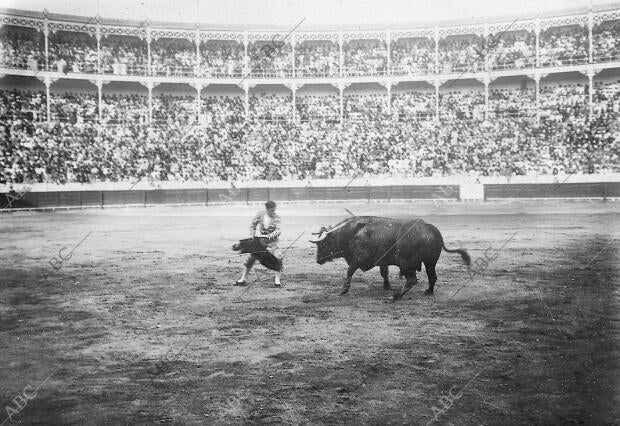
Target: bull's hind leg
point(412, 280)
point(347, 284)
point(432, 278)
point(386, 277)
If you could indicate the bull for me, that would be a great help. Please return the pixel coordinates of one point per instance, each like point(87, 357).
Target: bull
point(369, 241)
point(257, 246)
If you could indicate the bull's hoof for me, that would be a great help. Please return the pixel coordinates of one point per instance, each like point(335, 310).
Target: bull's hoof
point(240, 283)
point(343, 292)
point(428, 292)
point(387, 287)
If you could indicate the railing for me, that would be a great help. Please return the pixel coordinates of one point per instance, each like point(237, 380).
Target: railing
point(310, 73)
point(360, 70)
point(212, 72)
point(413, 69)
point(515, 64)
point(557, 61)
point(608, 57)
point(415, 116)
point(124, 69)
point(258, 72)
point(21, 63)
point(524, 113)
point(353, 71)
point(330, 118)
point(159, 70)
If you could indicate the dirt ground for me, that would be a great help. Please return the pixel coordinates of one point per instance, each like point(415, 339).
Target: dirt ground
point(140, 324)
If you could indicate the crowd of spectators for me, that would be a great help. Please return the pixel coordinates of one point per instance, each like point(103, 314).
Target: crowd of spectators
point(124, 56)
point(461, 54)
point(318, 107)
point(561, 102)
point(413, 104)
point(510, 102)
point(77, 52)
point(510, 50)
point(366, 106)
point(606, 42)
point(175, 110)
point(124, 109)
point(74, 147)
point(173, 58)
point(317, 60)
point(461, 104)
point(223, 109)
point(221, 59)
point(270, 107)
point(365, 58)
point(73, 108)
point(270, 59)
point(21, 48)
point(413, 56)
point(72, 52)
point(564, 46)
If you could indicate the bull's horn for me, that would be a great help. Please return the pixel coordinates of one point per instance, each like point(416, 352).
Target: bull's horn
point(322, 236)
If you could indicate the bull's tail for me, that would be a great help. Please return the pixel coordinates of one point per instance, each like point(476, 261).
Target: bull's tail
point(462, 252)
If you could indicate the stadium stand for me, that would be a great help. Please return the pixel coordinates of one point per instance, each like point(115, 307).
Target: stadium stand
point(527, 120)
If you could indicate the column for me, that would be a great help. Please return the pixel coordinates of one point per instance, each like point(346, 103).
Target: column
point(99, 90)
point(590, 41)
point(149, 86)
point(388, 86)
point(590, 92)
point(198, 88)
point(437, 83)
point(341, 60)
point(436, 50)
point(46, 33)
point(98, 36)
point(48, 109)
point(294, 91)
point(537, 81)
point(246, 88)
point(197, 71)
point(537, 31)
point(487, 80)
point(47, 49)
point(149, 70)
point(341, 89)
point(389, 56)
point(246, 64)
point(293, 58)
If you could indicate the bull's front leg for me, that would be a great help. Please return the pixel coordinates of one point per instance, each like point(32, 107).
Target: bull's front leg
point(386, 277)
point(411, 281)
point(347, 284)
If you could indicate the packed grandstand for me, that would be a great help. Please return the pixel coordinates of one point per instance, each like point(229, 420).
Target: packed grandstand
point(85, 100)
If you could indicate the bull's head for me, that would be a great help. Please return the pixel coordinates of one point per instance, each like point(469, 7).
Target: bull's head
point(327, 244)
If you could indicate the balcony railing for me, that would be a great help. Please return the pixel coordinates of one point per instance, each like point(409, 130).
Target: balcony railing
point(349, 70)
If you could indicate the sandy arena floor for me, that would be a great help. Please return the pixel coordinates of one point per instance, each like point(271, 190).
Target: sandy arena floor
point(141, 323)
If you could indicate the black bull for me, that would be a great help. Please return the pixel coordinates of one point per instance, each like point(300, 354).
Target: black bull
point(369, 241)
point(258, 248)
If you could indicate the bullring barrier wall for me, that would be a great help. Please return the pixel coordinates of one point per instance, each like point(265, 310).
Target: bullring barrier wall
point(52, 199)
